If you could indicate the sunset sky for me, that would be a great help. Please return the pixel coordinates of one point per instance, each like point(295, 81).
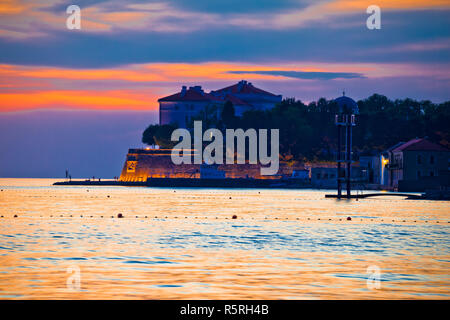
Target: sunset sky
point(129, 53)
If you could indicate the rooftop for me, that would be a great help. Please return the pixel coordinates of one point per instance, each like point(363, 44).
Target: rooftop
point(243, 87)
point(196, 93)
point(347, 104)
point(192, 94)
point(419, 145)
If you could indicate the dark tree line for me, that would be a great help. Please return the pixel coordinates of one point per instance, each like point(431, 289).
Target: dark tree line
point(308, 133)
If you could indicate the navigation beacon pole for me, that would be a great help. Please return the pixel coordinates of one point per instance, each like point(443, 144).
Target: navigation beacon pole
point(345, 121)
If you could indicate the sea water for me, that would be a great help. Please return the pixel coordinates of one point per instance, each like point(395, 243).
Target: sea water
point(185, 244)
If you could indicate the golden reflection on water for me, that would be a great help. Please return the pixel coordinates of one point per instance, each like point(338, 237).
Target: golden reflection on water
point(184, 244)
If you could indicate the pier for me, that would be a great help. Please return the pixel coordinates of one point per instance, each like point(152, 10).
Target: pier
point(370, 195)
point(195, 183)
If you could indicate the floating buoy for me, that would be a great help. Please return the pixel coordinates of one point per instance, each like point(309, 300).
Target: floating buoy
point(234, 216)
point(120, 215)
point(349, 218)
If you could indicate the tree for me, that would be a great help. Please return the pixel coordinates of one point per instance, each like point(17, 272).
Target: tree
point(228, 116)
point(159, 135)
point(308, 132)
point(148, 136)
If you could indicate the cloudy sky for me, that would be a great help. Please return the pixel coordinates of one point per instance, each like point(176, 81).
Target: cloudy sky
point(57, 84)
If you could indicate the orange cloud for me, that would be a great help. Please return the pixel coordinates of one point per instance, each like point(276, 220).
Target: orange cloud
point(152, 72)
point(33, 87)
point(19, 18)
point(11, 7)
point(361, 5)
point(77, 99)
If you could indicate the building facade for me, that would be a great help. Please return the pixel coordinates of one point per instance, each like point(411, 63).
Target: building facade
point(418, 164)
point(181, 107)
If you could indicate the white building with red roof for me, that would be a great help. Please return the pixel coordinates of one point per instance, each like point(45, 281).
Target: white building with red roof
point(181, 107)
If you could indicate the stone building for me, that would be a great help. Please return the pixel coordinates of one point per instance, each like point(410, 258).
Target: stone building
point(417, 165)
point(141, 164)
point(181, 107)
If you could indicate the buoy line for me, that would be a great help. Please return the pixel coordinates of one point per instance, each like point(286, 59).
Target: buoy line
point(236, 217)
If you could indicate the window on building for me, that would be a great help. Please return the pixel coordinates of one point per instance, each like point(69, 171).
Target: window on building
point(419, 159)
point(431, 173)
point(318, 175)
point(431, 159)
point(419, 174)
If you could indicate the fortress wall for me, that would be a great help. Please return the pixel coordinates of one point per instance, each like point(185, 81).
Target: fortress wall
point(142, 164)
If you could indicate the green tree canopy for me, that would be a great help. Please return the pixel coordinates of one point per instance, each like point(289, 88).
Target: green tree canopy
point(159, 135)
point(308, 132)
point(228, 114)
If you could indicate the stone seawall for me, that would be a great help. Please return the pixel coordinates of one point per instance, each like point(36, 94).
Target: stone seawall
point(141, 164)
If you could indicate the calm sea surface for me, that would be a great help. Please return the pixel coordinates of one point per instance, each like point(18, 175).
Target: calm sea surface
point(184, 244)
